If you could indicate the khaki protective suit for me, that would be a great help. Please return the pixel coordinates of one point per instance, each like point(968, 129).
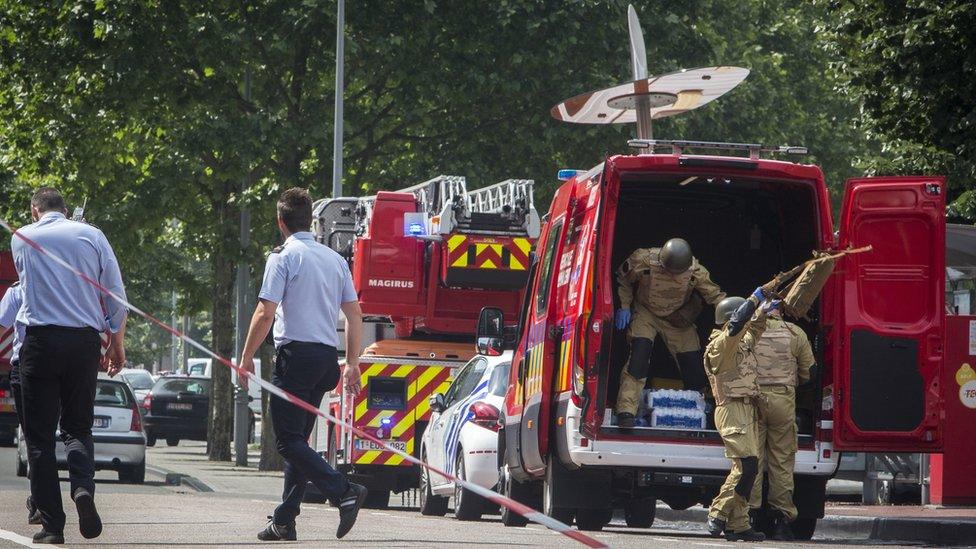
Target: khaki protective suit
point(784, 356)
point(659, 296)
point(731, 367)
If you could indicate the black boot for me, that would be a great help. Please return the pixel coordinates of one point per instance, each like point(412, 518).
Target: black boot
point(45, 537)
point(89, 523)
point(781, 528)
point(278, 532)
point(745, 535)
point(33, 515)
point(715, 526)
point(625, 420)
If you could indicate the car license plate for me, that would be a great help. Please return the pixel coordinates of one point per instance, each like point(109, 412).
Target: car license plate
point(365, 445)
point(179, 406)
point(101, 423)
point(7, 401)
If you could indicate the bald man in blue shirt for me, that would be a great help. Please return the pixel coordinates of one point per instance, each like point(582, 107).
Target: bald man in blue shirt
point(305, 286)
point(63, 315)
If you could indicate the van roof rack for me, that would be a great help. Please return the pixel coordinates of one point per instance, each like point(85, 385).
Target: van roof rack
point(678, 146)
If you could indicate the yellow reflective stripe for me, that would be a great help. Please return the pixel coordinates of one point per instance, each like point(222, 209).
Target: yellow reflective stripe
point(523, 244)
point(455, 241)
point(488, 264)
point(368, 457)
point(402, 371)
point(461, 261)
point(514, 263)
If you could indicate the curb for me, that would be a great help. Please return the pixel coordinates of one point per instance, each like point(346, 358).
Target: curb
point(179, 479)
point(937, 531)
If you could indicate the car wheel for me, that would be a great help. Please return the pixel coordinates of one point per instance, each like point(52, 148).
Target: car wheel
point(431, 504)
point(150, 440)
point(803, 528)
point(21, 467)
point(639, 513)
point(564, 515)
point(513, 489)
point(377, 499)
point(133, 474)
point(467, 504)
point(593, 520)
point(172, 441)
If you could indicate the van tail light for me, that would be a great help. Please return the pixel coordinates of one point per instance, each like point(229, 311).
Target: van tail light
point(4, 393)
point(485, 415)
point(136, 425)
point(147, 401)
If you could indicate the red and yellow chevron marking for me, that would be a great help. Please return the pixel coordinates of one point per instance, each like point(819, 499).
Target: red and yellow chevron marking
point(472, 252)
point(422, 382)
point(565, 364)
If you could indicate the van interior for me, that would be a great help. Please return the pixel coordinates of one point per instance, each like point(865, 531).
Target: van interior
point(744, 231)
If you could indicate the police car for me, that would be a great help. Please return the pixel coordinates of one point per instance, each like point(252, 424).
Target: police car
point(120, 443)
point(462, 438)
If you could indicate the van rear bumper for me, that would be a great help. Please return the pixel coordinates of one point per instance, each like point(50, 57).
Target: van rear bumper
point(650, 454)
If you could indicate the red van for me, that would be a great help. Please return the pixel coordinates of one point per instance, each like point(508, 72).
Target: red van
point(877, 328)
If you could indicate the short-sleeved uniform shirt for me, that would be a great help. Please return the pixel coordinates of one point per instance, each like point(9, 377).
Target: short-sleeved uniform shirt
point(309, 281)
point(10, 305)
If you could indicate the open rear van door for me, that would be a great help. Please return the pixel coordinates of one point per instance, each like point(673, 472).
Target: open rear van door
point(888, 351)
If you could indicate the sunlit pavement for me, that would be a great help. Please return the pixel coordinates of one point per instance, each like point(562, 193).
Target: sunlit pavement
point(154, 514)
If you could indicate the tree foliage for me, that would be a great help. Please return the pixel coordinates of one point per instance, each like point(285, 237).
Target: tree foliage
point(912, 63)
point(169, 117)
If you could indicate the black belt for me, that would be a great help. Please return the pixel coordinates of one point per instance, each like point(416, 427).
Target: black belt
point(55, 328)
point(307, 344)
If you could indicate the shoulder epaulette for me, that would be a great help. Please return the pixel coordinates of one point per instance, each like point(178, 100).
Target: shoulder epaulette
point(277, 249)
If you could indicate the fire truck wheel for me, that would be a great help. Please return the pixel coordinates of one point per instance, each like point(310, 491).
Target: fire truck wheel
point(467, 504)
point(377, 499)
point(639, 513)
point(564, 515)
point(513, 490)
point(593, 520)
point(431, 504)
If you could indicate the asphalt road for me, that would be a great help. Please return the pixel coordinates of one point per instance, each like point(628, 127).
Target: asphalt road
point(157, 515)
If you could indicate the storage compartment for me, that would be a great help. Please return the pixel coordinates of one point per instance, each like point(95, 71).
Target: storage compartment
point(743, 230)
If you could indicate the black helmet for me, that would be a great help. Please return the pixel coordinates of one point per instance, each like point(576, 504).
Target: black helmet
point(725, 308)
point(676, 256)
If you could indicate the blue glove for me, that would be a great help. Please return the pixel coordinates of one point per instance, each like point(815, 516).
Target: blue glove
point(622, 318)
point(759, 294)
point(771, 305)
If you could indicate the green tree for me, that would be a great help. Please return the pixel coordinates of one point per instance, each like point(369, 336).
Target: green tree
point(161, 111)
point(912, 63)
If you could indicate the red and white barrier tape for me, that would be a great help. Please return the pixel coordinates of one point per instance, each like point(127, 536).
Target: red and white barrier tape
point(494, 497)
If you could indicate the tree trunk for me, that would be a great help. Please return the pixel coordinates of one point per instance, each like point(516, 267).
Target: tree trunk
point(270, 458)
point(224, 261)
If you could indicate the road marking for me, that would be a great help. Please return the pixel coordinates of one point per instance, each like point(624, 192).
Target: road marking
point(380, 514)
point(18, 539)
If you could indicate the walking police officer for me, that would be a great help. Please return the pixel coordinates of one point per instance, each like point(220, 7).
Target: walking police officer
point(670, 287)
point(730, 364)
point(305, 285)
point(63, 315)
point(10, 305)
point(784, 357)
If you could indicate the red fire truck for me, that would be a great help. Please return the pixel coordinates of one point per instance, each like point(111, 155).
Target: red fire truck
point(8, 416)
point(425, 259)
point(877, 327)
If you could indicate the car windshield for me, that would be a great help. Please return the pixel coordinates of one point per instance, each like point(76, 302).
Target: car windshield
point(192, 386)
point(113, 394)
point(198, 369)
point(138, 380)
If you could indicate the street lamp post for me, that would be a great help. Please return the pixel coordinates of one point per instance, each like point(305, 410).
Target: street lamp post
point(339, 90)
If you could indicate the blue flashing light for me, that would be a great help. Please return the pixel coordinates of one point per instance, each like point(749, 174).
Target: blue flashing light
point(386, 421)
point(566, 175)
point(415, 229)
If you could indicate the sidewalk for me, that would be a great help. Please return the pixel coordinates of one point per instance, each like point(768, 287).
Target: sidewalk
point(927, 524)
point(187, 464)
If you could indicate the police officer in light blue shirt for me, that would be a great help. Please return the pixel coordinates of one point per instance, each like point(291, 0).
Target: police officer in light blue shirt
point(10, 305)
point(63, 315)
point(305, 286)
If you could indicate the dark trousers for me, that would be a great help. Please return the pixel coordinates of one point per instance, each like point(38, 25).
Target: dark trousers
point(18, 392)
point(58, 369)
point(308, 371)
